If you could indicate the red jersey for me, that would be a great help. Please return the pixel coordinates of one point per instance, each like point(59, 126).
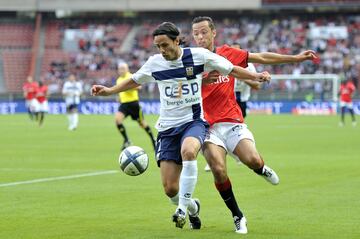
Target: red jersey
point(29, 89)
point(219, 101)
point(346, 91)
point(41, 93)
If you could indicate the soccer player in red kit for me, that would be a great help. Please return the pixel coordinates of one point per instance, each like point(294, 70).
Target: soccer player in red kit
point(228, 133)
point(29, 90)
point(347, 89)
point(180, 126)
point(42, 102)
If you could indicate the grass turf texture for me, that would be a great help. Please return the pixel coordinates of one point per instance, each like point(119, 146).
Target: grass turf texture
point(317, 161)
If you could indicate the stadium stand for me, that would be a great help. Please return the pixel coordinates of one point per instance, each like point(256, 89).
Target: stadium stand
point(53, 35)
point(94, 59)
point(16, 35)
point(16, 67)
point(16, 39)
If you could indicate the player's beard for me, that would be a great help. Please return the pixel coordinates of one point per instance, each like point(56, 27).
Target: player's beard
point(170, 56)
point(166, 56)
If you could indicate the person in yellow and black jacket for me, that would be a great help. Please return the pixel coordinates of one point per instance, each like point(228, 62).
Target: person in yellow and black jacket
point(129, 106)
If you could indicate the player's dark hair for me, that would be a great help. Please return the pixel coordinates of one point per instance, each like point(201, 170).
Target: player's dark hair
point(204, 18)
point(169, 29)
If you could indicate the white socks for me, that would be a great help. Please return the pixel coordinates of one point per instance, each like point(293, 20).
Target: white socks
point(193, 208)
point(73, 120)
point(188, 179)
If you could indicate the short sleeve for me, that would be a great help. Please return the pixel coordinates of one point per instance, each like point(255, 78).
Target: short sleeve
point(144, 74)
point(239, 57)
point(218, 63)
point(251, 68)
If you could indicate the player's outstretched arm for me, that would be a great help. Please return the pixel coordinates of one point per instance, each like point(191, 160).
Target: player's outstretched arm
point(100, 90)
point(255, 85)
point(243, 74)
point(275, 58)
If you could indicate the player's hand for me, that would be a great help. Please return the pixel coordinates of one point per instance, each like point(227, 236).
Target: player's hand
point(210, 77)
point(263, 77)
point(306, 55)
point(100, 90)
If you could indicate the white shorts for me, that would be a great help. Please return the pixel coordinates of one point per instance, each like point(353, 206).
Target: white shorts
point(42, 107)
point(349, 105)
point(31, 104)
point(228, 135)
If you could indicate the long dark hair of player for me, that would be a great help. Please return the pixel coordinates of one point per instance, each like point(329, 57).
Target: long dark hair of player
point(170, 30)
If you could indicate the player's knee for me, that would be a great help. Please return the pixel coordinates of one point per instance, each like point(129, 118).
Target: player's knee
point(118, 121)
point(142, 124)
point(219, 172)
point(171, 190)
point(188, 154)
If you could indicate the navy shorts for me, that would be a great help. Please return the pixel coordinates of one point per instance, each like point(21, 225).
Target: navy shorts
point(70, 107)
point(169, 142)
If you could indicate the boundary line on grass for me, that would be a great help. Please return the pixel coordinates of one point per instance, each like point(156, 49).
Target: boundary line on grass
point(42, 180)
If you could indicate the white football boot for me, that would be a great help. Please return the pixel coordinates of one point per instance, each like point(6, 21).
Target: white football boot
point(240, 225)
point(270, 175)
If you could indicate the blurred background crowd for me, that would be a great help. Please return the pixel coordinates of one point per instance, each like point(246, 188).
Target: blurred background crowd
point(91, 48)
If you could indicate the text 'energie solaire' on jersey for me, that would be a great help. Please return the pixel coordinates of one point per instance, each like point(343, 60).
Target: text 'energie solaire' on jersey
point(179, 102)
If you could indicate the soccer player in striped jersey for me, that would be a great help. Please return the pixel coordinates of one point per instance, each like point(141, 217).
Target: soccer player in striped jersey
point(129, 106)
point(181, 124)
point(228, 133)
point(72, 90)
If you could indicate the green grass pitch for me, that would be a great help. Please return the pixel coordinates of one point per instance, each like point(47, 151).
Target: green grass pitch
point(318, 195)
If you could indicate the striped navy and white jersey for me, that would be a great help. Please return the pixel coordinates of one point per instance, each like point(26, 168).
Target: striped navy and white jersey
point(179, 83)
point(72, 91)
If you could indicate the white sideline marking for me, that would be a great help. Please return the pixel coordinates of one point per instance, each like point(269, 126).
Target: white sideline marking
point(44, 169)
point(41, 180)
point(40, 169)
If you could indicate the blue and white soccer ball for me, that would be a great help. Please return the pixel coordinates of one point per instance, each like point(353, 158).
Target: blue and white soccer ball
point(133, 160)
